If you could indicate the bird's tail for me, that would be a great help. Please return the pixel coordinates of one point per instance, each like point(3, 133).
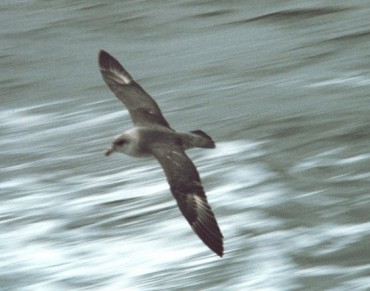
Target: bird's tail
point(197, 138)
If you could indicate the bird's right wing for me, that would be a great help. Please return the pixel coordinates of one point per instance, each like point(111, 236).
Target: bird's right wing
point(186, 187)
point(142, 107)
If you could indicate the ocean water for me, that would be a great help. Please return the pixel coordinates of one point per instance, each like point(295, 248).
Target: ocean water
point(281, 86)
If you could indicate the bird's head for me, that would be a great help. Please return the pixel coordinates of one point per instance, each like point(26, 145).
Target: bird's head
point(120, 144)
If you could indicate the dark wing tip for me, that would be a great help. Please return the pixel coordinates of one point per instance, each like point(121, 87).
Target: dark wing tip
point(103, 53)
point(112, 69)
point(105, 59)
point(200, 216)
point(209, 232)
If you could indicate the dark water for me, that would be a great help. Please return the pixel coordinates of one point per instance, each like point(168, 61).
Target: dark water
point(282, 87)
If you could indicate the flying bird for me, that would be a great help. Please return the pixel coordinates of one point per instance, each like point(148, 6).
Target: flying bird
point(153, 136)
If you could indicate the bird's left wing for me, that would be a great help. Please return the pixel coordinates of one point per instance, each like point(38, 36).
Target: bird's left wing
point(142, 107)
point(186, 187)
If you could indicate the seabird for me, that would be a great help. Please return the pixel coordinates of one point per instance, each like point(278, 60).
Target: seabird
point(153, 136)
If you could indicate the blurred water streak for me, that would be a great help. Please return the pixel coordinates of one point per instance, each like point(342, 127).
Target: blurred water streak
point(282, 88)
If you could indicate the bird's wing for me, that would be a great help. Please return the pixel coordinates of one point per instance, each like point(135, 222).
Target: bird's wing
point(186, 187)
point(142, 107)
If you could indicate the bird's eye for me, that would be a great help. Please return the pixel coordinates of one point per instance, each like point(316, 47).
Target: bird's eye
point(120, 142)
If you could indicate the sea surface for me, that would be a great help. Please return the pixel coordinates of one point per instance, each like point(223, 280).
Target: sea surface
point(283, 87)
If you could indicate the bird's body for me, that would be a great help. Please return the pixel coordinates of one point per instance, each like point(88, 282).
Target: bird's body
point(152, 136)
point(139, 140)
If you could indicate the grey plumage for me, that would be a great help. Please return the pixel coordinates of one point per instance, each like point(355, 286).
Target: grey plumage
point(153, 136)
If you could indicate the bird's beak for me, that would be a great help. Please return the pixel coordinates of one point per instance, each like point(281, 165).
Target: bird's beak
point(109, 151)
